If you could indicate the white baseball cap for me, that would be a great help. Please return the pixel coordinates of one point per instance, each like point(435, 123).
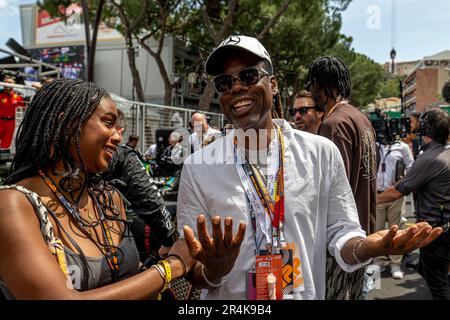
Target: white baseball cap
point(234, 43)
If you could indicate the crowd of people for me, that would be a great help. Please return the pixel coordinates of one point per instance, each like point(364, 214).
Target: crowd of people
point(268, 209)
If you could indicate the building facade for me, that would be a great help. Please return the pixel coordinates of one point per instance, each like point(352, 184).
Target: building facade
point(43, 33)
point(400, 68)
point(423, 84)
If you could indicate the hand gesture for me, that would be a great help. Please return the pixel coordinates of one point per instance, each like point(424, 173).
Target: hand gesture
point(218, 253)
point(164, 251)
point(398, 242)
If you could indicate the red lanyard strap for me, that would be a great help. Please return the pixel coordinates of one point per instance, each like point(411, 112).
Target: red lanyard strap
point(274, 209)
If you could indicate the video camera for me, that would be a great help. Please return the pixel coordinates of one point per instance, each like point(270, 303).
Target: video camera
point(389, 127)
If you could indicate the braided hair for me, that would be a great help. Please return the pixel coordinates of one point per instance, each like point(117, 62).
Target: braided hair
point(277, 109)
point(53, 121)
point(330, 74)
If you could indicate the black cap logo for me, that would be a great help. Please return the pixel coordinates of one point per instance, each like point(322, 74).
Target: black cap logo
point(231, 40)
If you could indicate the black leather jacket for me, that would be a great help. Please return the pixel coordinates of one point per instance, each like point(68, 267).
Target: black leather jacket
point(127, 173)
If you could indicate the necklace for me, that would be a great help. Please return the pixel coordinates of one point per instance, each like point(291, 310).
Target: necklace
point(334, 107)
point(111, 256)
point(89, 213)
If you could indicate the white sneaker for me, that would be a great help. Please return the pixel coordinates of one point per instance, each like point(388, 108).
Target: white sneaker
point(396, 272)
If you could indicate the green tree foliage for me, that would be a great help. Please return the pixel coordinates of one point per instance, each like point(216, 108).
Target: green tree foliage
point(391, 88)
point(367, 80)
point(294, 32)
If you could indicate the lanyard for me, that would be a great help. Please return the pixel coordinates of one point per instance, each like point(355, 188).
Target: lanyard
point(268, 204)
point(383, 164)
point(387, 153)
point(111, 258)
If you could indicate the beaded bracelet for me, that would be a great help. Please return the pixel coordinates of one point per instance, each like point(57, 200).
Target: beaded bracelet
point(214, 285)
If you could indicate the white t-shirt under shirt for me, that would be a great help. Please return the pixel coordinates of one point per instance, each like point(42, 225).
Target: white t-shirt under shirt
point(320, 212)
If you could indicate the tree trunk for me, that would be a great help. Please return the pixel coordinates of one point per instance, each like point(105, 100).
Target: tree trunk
point(167, 95)
point(166, 80)
point(91, 57)
point(85, 10)
point(134, 71)
point(207, 96)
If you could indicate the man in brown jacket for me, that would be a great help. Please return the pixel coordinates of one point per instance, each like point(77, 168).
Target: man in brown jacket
point(328, 81)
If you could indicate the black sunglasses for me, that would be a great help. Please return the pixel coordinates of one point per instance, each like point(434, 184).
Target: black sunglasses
point(302, 110)
point(247, 77)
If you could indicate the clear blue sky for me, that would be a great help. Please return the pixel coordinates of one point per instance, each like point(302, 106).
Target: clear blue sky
point(422, 27)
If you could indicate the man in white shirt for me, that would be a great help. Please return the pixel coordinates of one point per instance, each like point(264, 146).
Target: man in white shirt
point(313, 209)
point(394, 160)
point(202, 131)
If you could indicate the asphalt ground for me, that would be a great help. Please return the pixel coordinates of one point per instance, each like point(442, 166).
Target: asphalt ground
point(412, 286)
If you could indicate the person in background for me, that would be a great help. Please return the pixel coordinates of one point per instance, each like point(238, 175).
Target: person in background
point(306, 115)
point(395, 159)
point(417, 141)
point(201, 131)
point(329, 82)
point(429, 176)
point(9, 101)
point(150, 222)
point(171, 160)
point(133, 141)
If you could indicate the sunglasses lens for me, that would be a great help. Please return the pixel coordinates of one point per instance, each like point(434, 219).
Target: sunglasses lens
point(302, 111)
point(222, 83)
point(249, 77)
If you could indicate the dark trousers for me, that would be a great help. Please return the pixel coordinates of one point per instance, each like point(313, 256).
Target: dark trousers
point(433, 266)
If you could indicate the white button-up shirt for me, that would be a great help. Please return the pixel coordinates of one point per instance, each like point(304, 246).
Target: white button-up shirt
point(390, 154)
point(320, 211)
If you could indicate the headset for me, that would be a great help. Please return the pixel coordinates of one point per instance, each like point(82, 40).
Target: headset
point(424, 127)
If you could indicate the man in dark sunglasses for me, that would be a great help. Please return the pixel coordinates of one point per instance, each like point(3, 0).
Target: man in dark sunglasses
point(306, 115)
point(298, 205)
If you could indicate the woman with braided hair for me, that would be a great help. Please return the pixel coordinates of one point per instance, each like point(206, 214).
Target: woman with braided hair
point(63, 231)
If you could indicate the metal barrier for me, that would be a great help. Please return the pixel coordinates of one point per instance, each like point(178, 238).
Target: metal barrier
point(143, 119)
